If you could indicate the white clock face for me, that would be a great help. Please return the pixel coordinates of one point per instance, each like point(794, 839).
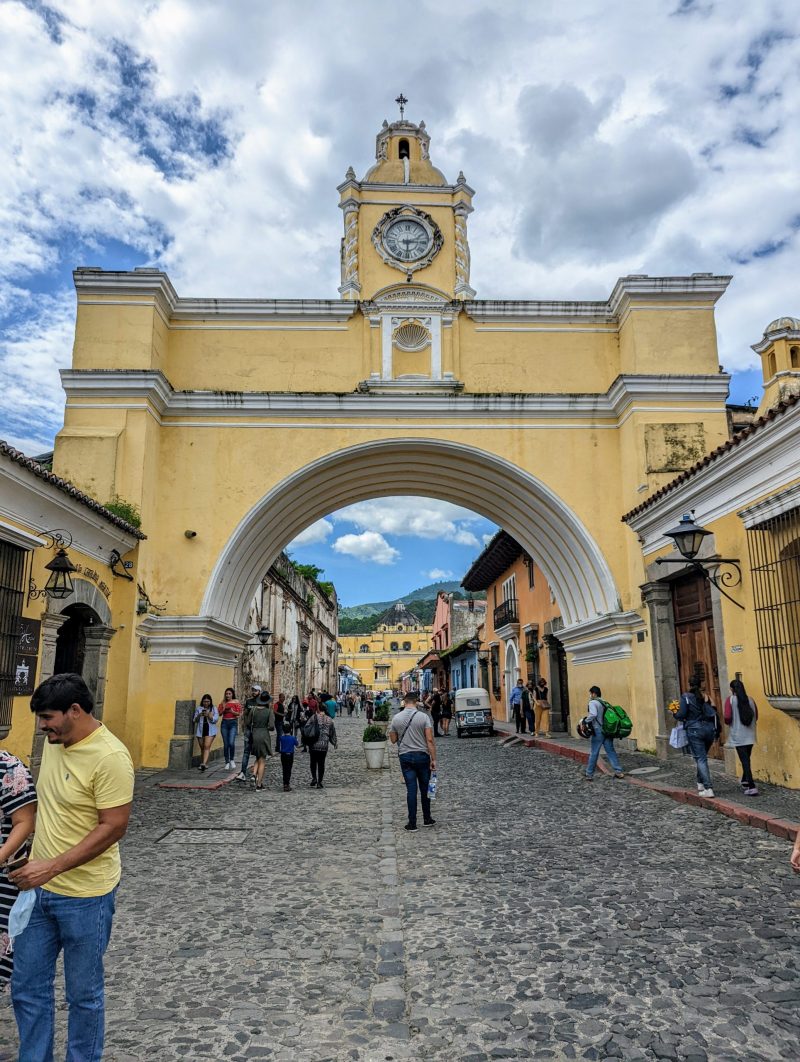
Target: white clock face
point(407, 240)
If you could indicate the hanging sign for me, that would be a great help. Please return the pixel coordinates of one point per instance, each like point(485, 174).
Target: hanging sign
point(26, 657)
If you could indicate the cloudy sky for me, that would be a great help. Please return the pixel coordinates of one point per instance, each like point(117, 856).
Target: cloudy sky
point(385, 548)
point(207, 137)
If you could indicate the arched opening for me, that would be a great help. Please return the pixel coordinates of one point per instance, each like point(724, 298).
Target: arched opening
point(71, 638)
point(512, 672)
point(489, 485)
point(794, 357)
point(770, 365)
point(404, 149)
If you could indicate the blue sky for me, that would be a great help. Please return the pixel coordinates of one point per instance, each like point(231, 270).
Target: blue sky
point(656, 136)
point(379, 549)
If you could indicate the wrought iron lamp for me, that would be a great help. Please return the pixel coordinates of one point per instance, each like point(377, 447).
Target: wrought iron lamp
point(263, 636)
point(721, 571)
point(59, 583)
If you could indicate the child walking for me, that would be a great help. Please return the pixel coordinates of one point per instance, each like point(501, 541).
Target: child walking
point(288, 743)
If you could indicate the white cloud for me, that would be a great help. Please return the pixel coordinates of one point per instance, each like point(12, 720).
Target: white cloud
point(425, 518)
point(438, 574)
point(486, 539)
point(319, 531)
point(185, 135)
point(369, 546)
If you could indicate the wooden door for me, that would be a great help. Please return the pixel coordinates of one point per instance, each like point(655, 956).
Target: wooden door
point(694, 639)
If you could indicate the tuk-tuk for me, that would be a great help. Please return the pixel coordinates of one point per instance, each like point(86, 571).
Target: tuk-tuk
point(472, 711)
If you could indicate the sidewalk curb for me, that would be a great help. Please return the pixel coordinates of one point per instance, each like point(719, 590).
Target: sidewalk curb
point(191, 785)
point(748, 816)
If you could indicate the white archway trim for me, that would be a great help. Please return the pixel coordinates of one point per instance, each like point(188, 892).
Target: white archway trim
point(603, 638)
point(536, 517)
point(191, 639)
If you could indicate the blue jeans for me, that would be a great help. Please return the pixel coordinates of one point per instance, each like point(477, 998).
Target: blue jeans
point(81, 927)
point(229, 728)
point(248, 745)
point(700, 741)
point(600, 741)
point(416, 768)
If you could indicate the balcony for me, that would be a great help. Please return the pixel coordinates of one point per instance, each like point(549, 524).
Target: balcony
point(506, 619)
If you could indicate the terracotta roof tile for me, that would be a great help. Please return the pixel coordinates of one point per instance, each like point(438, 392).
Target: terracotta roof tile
point(730, 444)
point(67, 488)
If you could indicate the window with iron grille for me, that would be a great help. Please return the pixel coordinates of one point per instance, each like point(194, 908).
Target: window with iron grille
point(774, 549)
point(495, 664)
point(12, 568)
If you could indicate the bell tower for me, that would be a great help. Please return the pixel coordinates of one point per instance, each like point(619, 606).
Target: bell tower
point(403, 223)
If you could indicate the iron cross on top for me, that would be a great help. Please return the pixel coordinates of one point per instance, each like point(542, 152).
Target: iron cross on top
point(401, 102)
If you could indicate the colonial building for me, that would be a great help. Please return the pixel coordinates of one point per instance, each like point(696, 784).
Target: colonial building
point(381, 657)
point(455, 626)
point(67, 600)
point(519, 640)
point(550, 417)
point(732, 609)
point(303, 623)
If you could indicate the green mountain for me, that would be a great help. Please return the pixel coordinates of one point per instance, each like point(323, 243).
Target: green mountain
point(362, 619)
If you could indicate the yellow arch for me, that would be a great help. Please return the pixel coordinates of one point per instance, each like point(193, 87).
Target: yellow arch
point(540, 521)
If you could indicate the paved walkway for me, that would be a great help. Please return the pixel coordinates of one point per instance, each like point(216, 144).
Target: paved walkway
point(541, 918)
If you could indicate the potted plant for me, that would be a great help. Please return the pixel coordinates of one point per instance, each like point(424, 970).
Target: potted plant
point(382, 715)
point(374, 739)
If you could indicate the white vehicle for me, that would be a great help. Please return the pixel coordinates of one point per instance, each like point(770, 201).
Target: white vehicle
point(473, 712)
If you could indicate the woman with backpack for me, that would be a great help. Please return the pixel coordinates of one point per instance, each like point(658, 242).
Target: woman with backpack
point(740, 714)
point(318, 733)
point(701, 723)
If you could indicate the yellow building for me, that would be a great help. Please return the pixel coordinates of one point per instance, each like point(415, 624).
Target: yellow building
point(393, 647)
point(550, 418)
point(736, 614)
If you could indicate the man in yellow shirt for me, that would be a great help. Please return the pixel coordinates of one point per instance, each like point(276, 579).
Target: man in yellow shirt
point(85, 790)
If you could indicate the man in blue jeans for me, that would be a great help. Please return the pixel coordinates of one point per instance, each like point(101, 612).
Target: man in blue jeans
point(412, 731)
point(85, 790)
point(599, 740)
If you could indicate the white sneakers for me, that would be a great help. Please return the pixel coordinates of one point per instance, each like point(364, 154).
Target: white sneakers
point(706, 793)
point(230, 766)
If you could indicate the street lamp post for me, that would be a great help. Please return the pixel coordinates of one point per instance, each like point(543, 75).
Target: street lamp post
point(688, 539)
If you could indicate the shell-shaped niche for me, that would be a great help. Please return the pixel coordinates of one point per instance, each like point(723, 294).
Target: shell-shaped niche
point(411, 335)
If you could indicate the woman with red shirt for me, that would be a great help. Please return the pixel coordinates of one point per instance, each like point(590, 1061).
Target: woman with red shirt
point(229, 711)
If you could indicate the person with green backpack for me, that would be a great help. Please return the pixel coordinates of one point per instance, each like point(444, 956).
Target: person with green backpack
point(607, 723)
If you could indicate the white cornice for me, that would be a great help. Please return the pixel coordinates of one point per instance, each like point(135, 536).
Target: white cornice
point(784, 501)
point(789, 334)
point(40, 506)
point(688, 394)
point(157, 286)
point(608, 637)
point(405, 189)
point(195, 639)
point(758, 466)
point(650, 290)
point(17, 537)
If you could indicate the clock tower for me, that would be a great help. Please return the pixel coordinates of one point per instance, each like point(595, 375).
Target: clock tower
point(403, 223)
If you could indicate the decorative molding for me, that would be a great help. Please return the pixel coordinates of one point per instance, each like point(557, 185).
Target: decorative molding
point(608, 637)
point(775, 505)
point(391, 217)
point(626, 395)
point(350, 281)
point(156, 285)
point(679, 291)
point(462, 255)
point(17, 537)
point(194, 639)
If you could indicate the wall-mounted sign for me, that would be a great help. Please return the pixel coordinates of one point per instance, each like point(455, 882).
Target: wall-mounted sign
point(90, 573)
point(737, 649)
point(26, 657)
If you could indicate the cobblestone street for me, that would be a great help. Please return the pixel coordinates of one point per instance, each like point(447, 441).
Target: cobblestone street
point(541, 918)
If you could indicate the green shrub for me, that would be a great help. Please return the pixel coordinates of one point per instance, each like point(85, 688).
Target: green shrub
point(374, 733)
point(382, 713)
point(125, 510)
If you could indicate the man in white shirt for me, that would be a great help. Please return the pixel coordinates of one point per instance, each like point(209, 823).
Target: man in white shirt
point(412, 731)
